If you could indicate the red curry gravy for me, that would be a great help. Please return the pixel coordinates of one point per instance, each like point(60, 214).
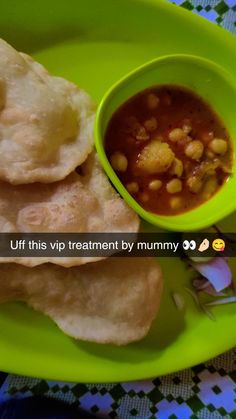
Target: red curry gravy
point(169, 149)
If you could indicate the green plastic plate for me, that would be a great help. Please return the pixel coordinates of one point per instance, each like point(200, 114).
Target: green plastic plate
point(93, 43)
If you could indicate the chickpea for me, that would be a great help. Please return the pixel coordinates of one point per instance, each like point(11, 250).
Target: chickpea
point(187, 128)
point(135, 129)
point(194, 150)
point(177, 134)
point(154, 185)
point(194, 184)
point(177, 168)
point(152, 101)
point(132, 187)
point(141, 134)
point(210, 154)
point(119, 161)
point(150, 124)
point(174, 186)
point(144, 197)
point(218, 146)
point(176, 202)
point(209, 187)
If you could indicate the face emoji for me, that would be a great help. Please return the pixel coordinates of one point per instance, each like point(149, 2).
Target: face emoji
point(218, 245)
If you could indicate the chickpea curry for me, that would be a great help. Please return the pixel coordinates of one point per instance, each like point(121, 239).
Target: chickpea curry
point(169, 149)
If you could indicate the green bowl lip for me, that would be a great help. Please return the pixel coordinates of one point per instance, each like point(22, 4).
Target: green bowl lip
point(171, 222)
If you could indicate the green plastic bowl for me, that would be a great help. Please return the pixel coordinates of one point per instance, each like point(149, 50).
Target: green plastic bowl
point(211, 82)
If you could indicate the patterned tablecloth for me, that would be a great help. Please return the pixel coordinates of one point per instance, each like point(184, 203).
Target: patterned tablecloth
point(204, 391)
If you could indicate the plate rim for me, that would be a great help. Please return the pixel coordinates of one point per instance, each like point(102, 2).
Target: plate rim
point(34, 371)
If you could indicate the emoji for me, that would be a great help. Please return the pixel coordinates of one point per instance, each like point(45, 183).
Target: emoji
point(189, 245)
point(218, 245)
point(204, 245)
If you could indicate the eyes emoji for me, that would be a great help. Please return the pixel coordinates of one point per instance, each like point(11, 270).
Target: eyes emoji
point(189, 245)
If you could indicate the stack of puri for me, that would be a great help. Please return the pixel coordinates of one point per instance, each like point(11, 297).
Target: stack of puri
point(51, 181)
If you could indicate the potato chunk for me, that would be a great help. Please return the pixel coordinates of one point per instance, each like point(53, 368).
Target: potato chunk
point(156, 157)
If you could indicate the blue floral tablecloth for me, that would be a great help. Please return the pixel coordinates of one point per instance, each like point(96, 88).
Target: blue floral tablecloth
point(222, 12)
point(205, 391)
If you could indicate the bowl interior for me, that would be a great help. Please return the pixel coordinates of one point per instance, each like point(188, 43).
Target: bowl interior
point(211, 82)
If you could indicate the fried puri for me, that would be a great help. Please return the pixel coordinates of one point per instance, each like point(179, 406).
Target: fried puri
point(111, 301)
point(84, 202)
point(46, 122)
